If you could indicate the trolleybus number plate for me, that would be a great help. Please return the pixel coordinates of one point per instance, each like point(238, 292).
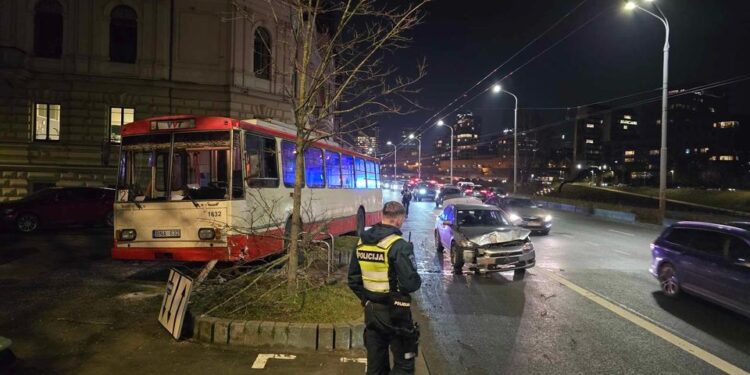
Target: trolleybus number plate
point(166, 233)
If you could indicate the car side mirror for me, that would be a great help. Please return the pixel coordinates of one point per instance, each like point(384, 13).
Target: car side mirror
point(447, 223)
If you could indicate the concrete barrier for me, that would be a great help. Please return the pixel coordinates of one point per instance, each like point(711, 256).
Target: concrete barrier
point(627, 217)
point(311, 336)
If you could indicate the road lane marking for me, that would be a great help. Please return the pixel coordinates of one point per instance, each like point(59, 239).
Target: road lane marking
point(353, 360)
point(262, 359)
point(649, 326)
point(623, 233)
point(621, 252)
point(592, 243)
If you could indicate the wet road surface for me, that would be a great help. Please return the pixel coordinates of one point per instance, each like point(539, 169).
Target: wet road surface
point(493, 325)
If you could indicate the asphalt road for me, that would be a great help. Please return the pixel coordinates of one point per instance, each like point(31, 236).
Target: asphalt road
point(494, 325)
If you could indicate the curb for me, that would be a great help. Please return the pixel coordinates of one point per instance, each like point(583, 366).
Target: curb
point(253, 333)
point(618, 216)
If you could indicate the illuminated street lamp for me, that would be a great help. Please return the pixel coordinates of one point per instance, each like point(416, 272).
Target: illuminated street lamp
point(442, 123)
point(632, 5)
point(419, 155)
point(394, 158)
point(498, 89)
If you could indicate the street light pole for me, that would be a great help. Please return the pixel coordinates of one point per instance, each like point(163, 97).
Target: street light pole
point(497, 89)
point(664, 93)
point(395, 163)
point(442, 123)
point(419, 155)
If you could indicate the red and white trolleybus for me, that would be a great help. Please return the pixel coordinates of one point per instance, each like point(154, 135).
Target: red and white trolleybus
point(197, 188)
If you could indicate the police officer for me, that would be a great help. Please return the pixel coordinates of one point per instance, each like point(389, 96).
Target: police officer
point(382, 273)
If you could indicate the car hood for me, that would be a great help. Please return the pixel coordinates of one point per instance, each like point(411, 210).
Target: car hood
point(489, 235)
point(528, 211)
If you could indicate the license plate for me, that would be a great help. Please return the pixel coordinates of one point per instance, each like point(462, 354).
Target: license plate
point(534, 224)
point(166, 233)
point(506, 260)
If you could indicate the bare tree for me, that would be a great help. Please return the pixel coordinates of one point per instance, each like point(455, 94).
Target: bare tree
point(340, 79)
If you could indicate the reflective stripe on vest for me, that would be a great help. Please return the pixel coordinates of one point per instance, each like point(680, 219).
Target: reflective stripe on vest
point(373, 260)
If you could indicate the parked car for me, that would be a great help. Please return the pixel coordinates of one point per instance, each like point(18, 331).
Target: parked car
point(480, 236)
point(447, 192)
point(60, 207)
point(424, 190)
point(525, 213)
point(711, 261)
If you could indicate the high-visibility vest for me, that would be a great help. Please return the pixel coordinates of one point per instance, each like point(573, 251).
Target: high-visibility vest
point(373, 261)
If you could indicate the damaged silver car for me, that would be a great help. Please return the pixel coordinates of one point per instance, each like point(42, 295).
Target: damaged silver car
point(482, 238)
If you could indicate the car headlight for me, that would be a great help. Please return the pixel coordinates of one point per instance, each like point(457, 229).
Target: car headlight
point(127, 235)
point(548, 218)
point(514, 217)
point(422, 191)
point(466, 243)
point(206, 233)
point(527, 247)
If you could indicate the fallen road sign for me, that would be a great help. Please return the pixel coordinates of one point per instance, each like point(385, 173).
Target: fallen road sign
point(175, 302)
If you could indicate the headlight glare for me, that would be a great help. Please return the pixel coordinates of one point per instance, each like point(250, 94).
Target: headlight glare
point(206, 233)
point(422, 191)
point(548, 218)
point(514, 218)
point(127, 235)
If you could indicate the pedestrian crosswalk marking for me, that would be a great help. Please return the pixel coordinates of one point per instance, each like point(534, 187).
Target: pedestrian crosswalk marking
point(262, 359)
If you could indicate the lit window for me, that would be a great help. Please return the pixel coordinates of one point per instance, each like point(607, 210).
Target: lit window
point(47, 122)
point(590, 126)
point(627, 117)
point(704, 150)
point(590, 141)
point(687, 151)
point(726, 124)
point(653, 152)
point(629, 153)
point(118, 117)
point(629, 160)
point(726, 157)
point(624, 127)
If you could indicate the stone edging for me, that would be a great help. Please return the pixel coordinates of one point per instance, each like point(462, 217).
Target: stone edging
point(310, 336)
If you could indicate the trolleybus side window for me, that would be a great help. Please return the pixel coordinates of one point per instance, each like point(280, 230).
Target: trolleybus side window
point(261, 165)
point(314, 177)
point(238, 191)
point(360, 173)
point(287, 162)
point(333, 169)
point(377, 173)
point(347, 171)
point(372, 181)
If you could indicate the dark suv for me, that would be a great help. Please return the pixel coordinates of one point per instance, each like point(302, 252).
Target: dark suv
point(424, 190)
point(711, 261)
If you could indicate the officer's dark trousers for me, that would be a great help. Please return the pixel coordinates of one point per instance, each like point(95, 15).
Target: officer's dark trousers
point(378, 337)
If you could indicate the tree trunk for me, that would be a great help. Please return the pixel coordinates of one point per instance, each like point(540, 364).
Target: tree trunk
point(296, 223)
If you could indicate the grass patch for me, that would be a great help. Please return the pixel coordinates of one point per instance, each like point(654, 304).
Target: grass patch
point(731, 200)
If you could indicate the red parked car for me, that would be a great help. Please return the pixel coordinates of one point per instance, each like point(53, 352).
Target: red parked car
point(59, 207)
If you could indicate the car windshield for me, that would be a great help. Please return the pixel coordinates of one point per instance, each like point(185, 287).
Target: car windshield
point(200, 164)
point(480, 218)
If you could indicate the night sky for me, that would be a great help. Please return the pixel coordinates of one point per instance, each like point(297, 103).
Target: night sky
point(617, 53)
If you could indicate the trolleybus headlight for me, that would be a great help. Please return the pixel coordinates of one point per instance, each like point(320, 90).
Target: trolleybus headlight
point(127, 235)
point(206, 233)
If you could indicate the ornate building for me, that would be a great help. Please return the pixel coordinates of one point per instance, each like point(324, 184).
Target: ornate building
point(72, 72)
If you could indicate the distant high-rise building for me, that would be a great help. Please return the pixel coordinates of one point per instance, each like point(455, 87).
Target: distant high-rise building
point(368, 141)
point(466, 133)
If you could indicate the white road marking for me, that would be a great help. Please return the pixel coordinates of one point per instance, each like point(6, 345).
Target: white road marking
point(623, 233)
point(593, 243)
point(621, 252)
point(649, 326)
point(353, 360)
point(262, 359)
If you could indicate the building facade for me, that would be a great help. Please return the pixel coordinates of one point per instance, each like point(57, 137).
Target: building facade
point(466, 134)
point(73, 72)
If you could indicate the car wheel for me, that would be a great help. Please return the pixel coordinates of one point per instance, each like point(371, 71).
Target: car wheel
point(27, 223)
point(457, 260)
point(518, 275)
point(109, 219)
point(546, 232)
point(438, 244)
point(670, 286)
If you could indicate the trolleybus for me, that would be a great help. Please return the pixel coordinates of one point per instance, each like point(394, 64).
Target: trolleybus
point(198, 188)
